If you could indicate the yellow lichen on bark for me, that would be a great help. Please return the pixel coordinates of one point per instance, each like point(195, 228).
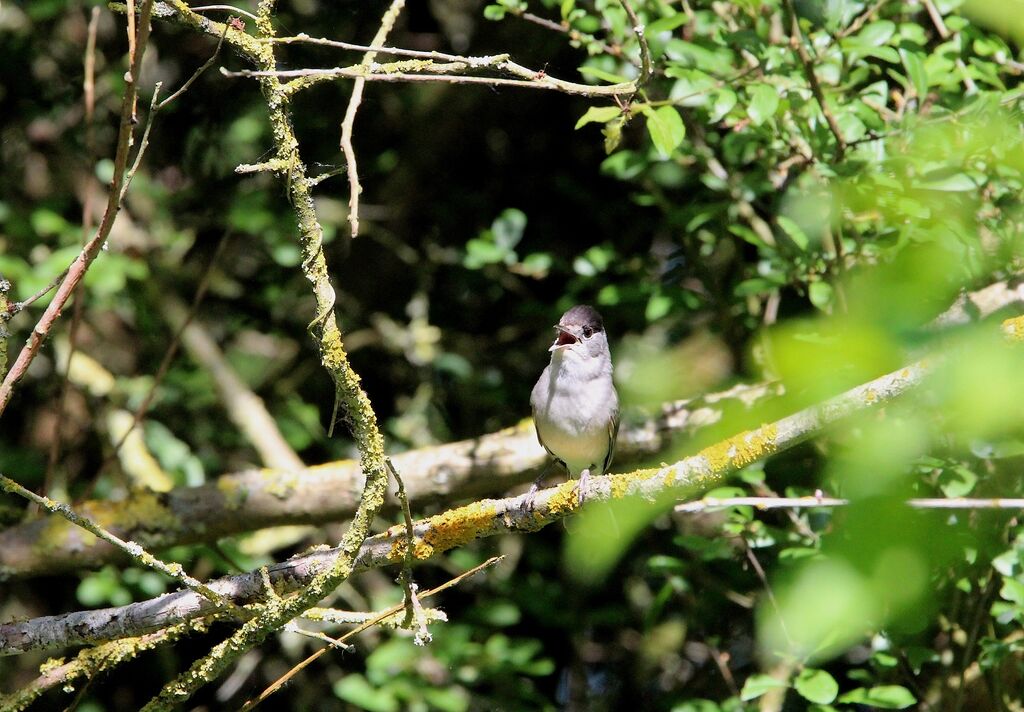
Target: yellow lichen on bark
point(740, 450)
point(1013, 328)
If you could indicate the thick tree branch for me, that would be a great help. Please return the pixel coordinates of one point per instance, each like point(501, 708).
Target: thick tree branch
point(457, 527)
point(486, 466)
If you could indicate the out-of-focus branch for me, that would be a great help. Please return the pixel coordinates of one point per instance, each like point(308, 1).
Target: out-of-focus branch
point(486, 466)
point(347, 124)
point(245, 409)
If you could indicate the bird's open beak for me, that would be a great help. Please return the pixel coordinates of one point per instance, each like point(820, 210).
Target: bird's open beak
point(563, 339)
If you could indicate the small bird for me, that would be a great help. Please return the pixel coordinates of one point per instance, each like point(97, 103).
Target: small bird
point(575, 406)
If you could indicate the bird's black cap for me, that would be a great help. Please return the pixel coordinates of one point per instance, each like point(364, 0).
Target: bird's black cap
point(582, 315)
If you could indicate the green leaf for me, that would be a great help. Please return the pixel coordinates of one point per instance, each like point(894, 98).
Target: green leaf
point(666, 24)
point(355, 689)
point(494, 12)
point(916, 72)
point(757, 685)
point(657, 306)
point(820, 294)
point(816, 686)
point(876, 33)
point(764, 100)
point(957, 482)
point(1013, 591)
point(722, 105)
point(889, 697)
point(601, 74)
point(956, 183)
point(598, 114)
point(794, 232)
point(666, 128)
point(508, 228)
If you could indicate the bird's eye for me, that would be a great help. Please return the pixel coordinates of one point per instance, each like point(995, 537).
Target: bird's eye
point(587, 332)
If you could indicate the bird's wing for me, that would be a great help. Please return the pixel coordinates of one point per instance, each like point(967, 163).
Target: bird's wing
point(613, 435)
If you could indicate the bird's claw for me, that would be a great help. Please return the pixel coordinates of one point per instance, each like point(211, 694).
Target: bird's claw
point(582, 487)
point(529, 501)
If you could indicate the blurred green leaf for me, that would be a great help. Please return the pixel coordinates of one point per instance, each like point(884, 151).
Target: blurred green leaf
point(757, 685)
point(816, 686)
point(889, 697)
point(666, 128)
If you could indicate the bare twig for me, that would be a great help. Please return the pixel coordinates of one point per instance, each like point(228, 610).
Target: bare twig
point(859, 21)
point(814, 502)
point(347, 124)
point(85, 258)
point(944, 33)
point(271, 689)
point(19, 306)
point(451, 72)
point(572, 33)
point(225, 8)
point(414, 617)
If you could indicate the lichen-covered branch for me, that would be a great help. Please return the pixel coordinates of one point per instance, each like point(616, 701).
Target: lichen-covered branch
point(459, 526)
point(94, 661)
point(479, 467)
point(357, 409)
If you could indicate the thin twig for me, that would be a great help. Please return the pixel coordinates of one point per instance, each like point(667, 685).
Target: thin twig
point(303, 38)
point(945, 33)
point(136, 552)
point(573, 34)
point(277, 684)
point(702, 505)
point(763, 577)
point(414, 617)
point(797, 42)
point(225, 8)
point(452, 70)
point(859, 21)
point(646, 69)
point(19, 306)
point(355, 188)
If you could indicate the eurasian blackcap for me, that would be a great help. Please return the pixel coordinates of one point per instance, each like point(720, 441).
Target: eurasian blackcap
point(575, 406)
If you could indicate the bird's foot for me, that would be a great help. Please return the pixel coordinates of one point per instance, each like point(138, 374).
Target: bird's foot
point(529, 501)
point(583, 487)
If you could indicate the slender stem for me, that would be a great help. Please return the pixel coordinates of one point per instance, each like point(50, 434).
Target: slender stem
point(347, 124)
point(85, 258)
point(277, 684)
point(797, 42)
